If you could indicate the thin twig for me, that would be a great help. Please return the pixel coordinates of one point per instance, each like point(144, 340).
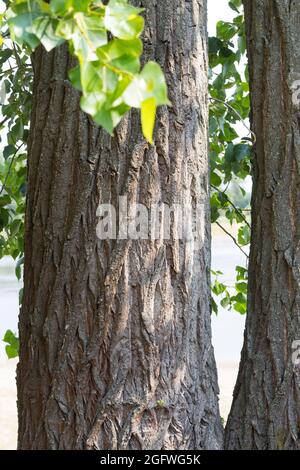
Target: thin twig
point(233, 205)
point(232, 237)
point(9, 168)
point(19, 64)
point(238, 114)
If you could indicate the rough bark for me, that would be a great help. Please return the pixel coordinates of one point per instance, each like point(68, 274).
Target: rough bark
point(115, 335)
point(266, 407)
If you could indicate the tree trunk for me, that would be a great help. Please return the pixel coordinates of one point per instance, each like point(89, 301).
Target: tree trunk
point(266, 407)
point(115, 334)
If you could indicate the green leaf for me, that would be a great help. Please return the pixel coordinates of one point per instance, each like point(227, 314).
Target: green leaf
point(107, 108)
point(5, 55)
point(123, 20)
point(233, 7)
point(215, 179)
point(91, 103)
point(149, 84)
point(74, 76)
point(225, 302)
point(214, 306)
point(91, 77)
point(14, 227)
point(44, 28)
point(242, 273)
point(80, 5)
point(110, 118)
point(66, 29)
point(16, 132)
point(8, 151)
point(122, 55)
point(241, 151)
point(92, 29)
point(242, 287)
point(214, 45)
point(12, 349)
point(244, 235)
point(4, 200)
point(225, 30)
point(60, 7)
point(154, 79)
point(240, 307)
point(229, 153)
point(20, 262)
point(20, 28)
point(11, 352)
point(218, 288)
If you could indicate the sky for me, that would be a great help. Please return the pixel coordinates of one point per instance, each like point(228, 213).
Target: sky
point(218, 10)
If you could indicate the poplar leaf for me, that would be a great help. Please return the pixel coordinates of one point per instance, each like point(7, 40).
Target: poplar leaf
point(148, 112)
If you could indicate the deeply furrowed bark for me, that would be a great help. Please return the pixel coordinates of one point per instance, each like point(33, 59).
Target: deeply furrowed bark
point(266, 407)
point(115, 335)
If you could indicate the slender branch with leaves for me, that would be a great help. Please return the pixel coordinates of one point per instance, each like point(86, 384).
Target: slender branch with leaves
point(230, 155)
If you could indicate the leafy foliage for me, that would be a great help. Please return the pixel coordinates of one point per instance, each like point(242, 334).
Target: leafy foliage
point(230, 156)
point(16, 85)
point(109, 72)
point(236, 300)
